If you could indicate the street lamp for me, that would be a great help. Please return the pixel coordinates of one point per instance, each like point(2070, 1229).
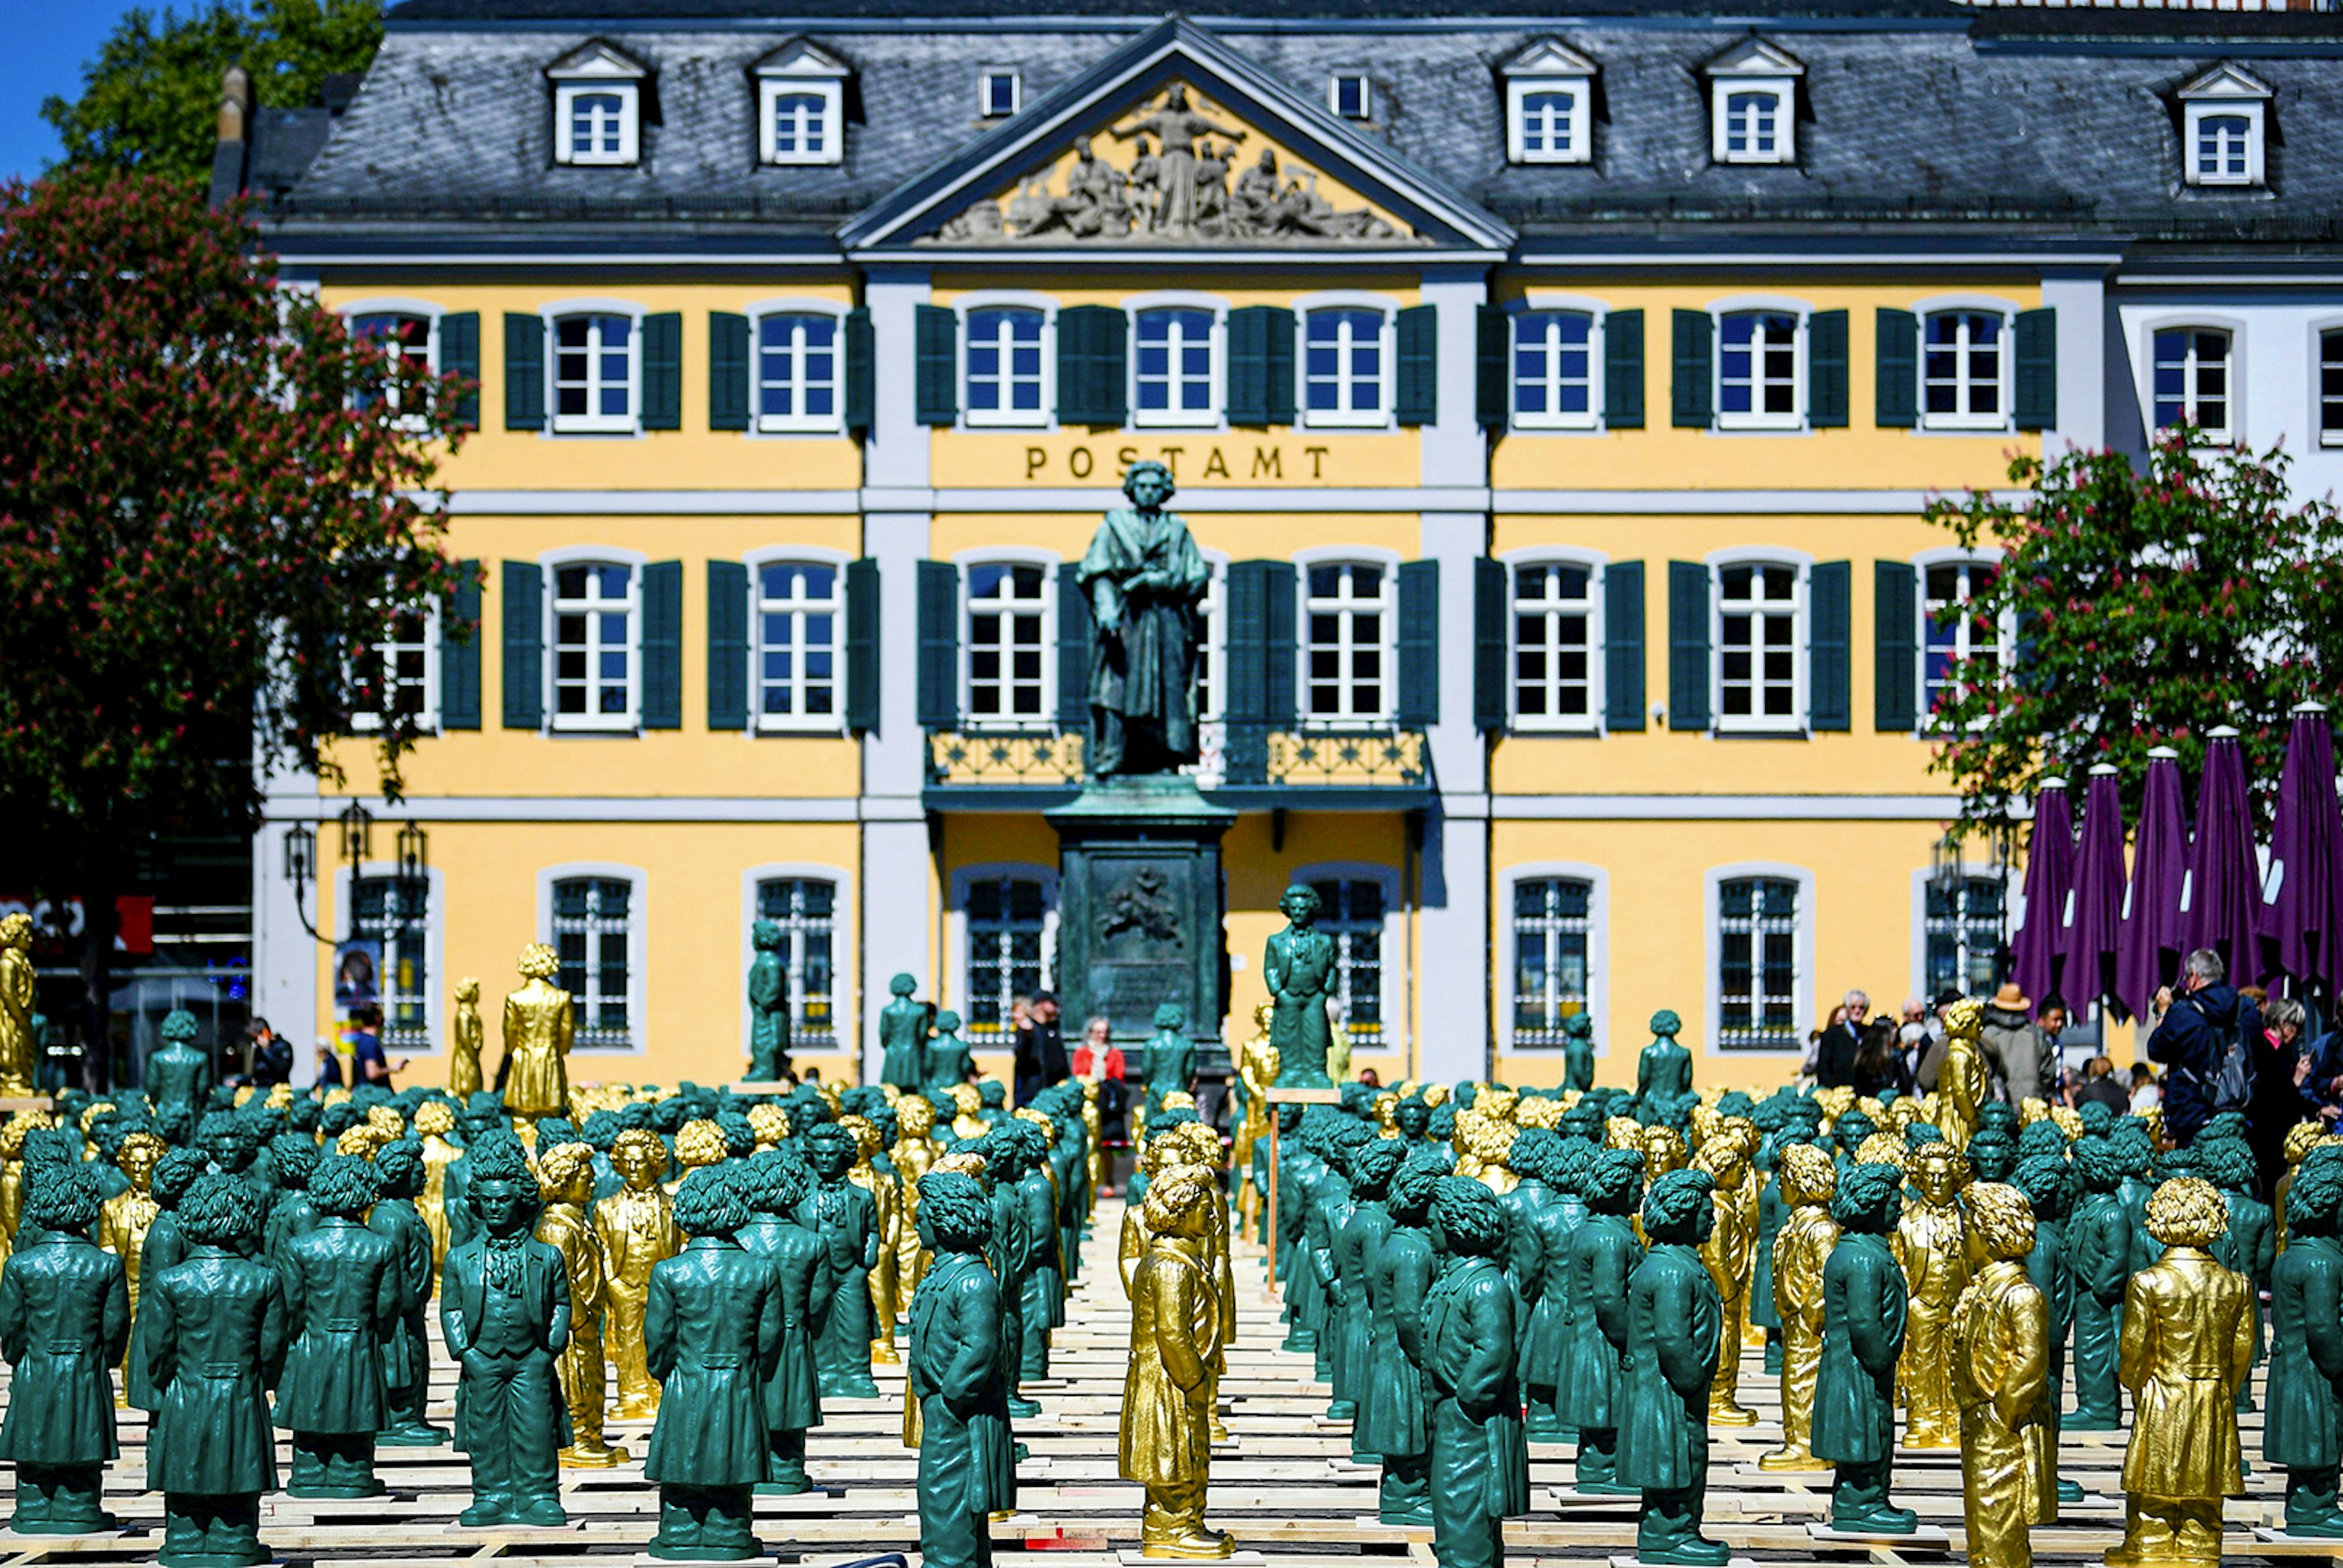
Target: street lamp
point(300, 865)
point(414, 854)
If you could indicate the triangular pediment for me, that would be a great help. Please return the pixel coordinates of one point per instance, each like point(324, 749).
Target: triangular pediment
point(1753, 56)
point(2228, 82)
point(596, 61)
point(1172, 143)
point(1547, 57)
point(801, 57)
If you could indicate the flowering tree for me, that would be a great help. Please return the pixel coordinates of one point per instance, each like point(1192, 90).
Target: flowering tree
point(2147, 607)
point(212, 513)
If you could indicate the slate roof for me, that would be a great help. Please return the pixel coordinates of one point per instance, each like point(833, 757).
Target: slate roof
point(2058, 122)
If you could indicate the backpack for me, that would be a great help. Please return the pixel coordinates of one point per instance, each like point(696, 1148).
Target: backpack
point(2232, 1087)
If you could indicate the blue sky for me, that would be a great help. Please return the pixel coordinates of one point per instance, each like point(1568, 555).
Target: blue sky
point(48, 40)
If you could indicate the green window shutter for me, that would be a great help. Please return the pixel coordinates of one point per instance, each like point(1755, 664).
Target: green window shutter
point(1491, 622)
point(523, 609)
point(727, 371)
point(861, 370)
point(459, 354)
point(939, 645)
point(1687, 644)
point(524, 372)
point(1418, 704)
point(1418, 399)
point(1493, 381)
point(1898, 395)
point(460, 651)
point(862, 629)
point(935, 384)
point(2037, 369)
point(1826, 369)
point(662, 703)
point(1623, 645)
point(728, 645)
point(1896, 646)
point(1260, 661)
point(1829, 646)
point(663, 372)
point(1073, 649)
point(1092, 365)
point(1248, 366)
point(1623, 370)
point(1691, 393)
point(1281, 366)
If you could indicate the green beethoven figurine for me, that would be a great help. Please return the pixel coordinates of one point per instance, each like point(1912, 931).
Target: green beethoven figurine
point(1357, 1244)
point(400, 1177)
point(1170, 1058)
point(950, 1062)
point(713, 1322)
point(1395, 1422)
point(216, 1346)
point(1299, 968)
point(1664, 1073)
point(64, 1321)
point(1480, 1458)
point(1604, 1253)
point(2303, 1432)
point(902, 1037)
point(845, 1218)
point(1865, 1305)
point(503, 1310)
point(1578, 1052)
point(165, 1247)
point(966, 1471)
point(2099, 1240)
point(1675, 1324)
point(343, 1290)
point(769, 1006)
point(776, 1183)
point(177, 1073)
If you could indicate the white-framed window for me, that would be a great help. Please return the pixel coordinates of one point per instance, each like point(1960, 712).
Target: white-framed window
point(597, 124)
point(1356, 910)
point(1961, 931)
point(1557, 677)
point(1346, 367)
point(1174, 372)
point(1011, 647)
point(1963, 370)
point(1555, 355)
point(999, 92)
point(411, 334)
point(597, 646)
point(1555, 946)
point(2224, 117)
point(400, 675)
point(1211, 640)
point(1350, 631)
point(1753, 104)
point(396, 913)
point(1549, 95)
point(800, 105)
point(1351, 95)
point(1950, 632)
point(1760, 370)
point(800, 619)
point(2223, 147)
point(806, 909)
point(594, 918)
point(1007, 362)
point(1757, 125)
point(1760, 647)
point(2192, 380)
point(1760, 942)
point(1007, 917)
point(2330, 387)
point(594, 372)
point(798, 371)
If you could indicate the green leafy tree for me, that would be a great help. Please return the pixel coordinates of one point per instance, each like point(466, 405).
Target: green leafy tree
point(2148, 606)
point(150, 101)
point(216, 505)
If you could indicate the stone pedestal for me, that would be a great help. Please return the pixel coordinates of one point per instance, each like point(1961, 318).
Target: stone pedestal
point(1140, 911)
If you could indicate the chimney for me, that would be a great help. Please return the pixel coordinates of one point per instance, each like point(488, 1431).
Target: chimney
point(235, 105)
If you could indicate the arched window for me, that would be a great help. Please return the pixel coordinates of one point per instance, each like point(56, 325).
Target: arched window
point(594, 643)
point(594, 923)
point(1345, 364)
point(1007, 917)
point(593, 373)
point(1352, 910)
point(2192, 379)
point(1004, 367)
point(1961, 365)
point(1553, 939)
point(797, 372)
point(805, 908)
point(797, 627)
point(1760, 944)
point(1172, 366)
point(1349, 627)
point(1553, 370)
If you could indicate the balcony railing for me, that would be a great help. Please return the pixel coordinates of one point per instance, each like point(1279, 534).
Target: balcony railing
point(1236, 755)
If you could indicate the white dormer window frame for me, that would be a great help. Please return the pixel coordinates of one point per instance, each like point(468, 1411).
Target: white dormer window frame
point(806, 86)
point(1549, 105)
point(2224, 124)
point(1753, 105)
point(1351, 94)
point(600, 90)
point(999, 92)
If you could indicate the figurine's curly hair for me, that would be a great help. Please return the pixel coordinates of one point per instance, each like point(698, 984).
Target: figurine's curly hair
point(561, 1167)
point(966, 1158)
point(2315, 1201)
point(1809, 1175)
point(63, 1198)
point(777, 1181)
point(2226, 1163)
point(342, 1187)
point(699, 1143)
point(1471, 1216)
point(638, 1142)
point(399, 1169)
point(1566, 1168)
point(2048, 1182)
point(1204, 1145)
point(2187, 1211)
point(538, 962)
point(2099, 1164)
point(1613, 1183)
point(1172, 1198)
point(2000, 1214)
point(1869, 1194)
point(221, 1211)
point(2042, 1137)
point(1414, 1182)
point(1372, 1167)
point(175, 1173)
point(770, 1123)
point(293, 1159)
point(1534, 1150)
point(708, 1204)
point(1882, 1149)
point(959, 1215)
point(1673, 1207)
point(499, 1157)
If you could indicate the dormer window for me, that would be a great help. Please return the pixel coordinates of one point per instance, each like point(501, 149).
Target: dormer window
point(597, 95)
point(2224, 115)
point(1549, 99)
point(800, 105)
point(1753, 105)
point(1351, 95)
point(999, 92)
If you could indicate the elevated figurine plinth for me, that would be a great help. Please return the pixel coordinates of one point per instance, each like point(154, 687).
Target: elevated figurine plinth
point(1923, 1538)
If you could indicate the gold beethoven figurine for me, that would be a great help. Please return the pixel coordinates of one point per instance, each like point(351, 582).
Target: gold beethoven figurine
point(1730, 1246)
point(1963, 1081)
point(1175, 1336)
point(2001, 1375)
point(434, 1119)
point(565, 1174)
point(17, 992)
point(886, 1198)
point(122, 1223)
point(538, 1024)
point(2188, 1344)
point(636, 1225)
point(913, 1157)
point(1204, 1146)
point(464, 1046)
point(1801, 1247)
point(1933, 1249)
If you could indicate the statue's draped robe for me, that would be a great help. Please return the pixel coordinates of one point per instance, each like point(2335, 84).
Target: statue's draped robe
point(1142, 682)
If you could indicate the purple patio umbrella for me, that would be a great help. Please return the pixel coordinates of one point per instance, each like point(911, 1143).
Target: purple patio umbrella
point(2148, 946)
point(2302, 903)
point(2095, 901)
point(2049, 870)
point(2224, 880)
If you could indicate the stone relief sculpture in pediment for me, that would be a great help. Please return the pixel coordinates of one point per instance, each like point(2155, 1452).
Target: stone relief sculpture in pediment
point(1175, 188)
